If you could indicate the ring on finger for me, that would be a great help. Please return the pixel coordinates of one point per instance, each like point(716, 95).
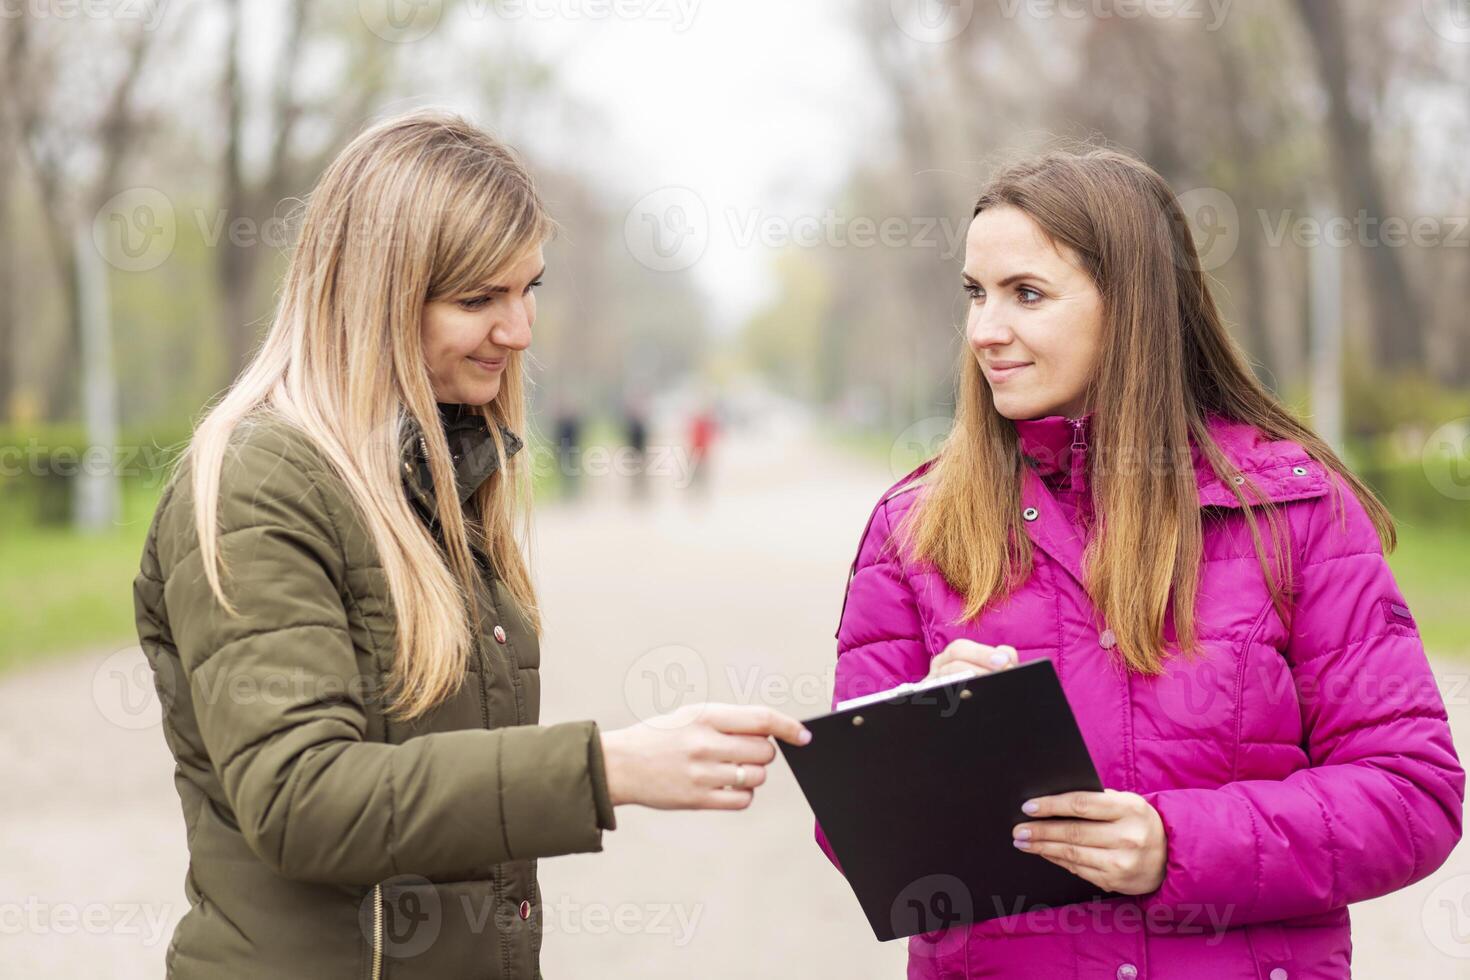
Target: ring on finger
point(739, 775)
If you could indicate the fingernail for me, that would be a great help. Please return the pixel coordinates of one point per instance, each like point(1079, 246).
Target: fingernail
point(805, 736)
point(1024, 845)
point(998, 659)
point(1030, 806)
point(1023, 834)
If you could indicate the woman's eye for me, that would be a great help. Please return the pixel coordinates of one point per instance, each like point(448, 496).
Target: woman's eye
point(974, 292)
point(533, 285)
point(475, 303)
point(1028, 295)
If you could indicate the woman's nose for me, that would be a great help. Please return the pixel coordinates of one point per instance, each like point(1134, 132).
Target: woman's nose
point(513, 330)
point(988, 328)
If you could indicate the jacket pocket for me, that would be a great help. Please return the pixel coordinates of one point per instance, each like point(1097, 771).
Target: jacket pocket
point(418, 929)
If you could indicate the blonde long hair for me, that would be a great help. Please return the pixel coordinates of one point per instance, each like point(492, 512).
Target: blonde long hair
point(1167, 363)
point(420, 207)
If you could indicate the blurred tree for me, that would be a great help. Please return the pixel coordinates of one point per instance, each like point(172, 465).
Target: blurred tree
point(1397, 338)
point(74, 158)
point(1203, 108)
point(252, 196)
point(784, 341)
point(8, 160)
point(923, 177)
point(1231, 107)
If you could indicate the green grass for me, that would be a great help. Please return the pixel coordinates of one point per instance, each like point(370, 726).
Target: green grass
point(62, 591)
point(1432, 565)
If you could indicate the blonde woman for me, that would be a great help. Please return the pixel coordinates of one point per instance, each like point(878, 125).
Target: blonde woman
point(337, 608)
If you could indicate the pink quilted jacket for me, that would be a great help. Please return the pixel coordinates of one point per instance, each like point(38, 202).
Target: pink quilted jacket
point(1298, 766)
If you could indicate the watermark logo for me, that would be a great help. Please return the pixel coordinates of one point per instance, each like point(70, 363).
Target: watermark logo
point(918, 443)
point(149, 13)
point(401, 21)
point(929, 908)
point(136, 229)
point(129, 693)
point(1446, 917)
point(406, 911)
point(932, 21)
point(664, 679)
point(147, 922)
point(1446, 459)
point(1214, 221)
point(667, 230)
point(1210, 13)
point(1197, 697)
point(944, 235)
point(1364, 230)
point(1450, 19)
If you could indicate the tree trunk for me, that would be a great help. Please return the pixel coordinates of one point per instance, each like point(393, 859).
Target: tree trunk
point(1255, 335)
point(96, 487)
point(7, 292)
point(1397, 334)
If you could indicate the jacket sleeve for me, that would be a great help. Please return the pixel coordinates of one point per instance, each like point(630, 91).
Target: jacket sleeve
point(1381, 803)
point(880, 636)
point(280, 705)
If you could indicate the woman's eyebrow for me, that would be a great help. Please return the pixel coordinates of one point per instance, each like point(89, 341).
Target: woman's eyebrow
point(1013, 277)
point(506, 289)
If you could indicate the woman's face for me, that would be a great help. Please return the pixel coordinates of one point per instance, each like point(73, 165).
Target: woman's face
point(468, 339)
point(1035, 322)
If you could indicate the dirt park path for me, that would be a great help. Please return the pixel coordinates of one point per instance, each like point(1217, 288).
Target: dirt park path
point(730, 597)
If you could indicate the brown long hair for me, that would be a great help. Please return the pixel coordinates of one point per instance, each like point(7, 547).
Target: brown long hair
point(1167, 363)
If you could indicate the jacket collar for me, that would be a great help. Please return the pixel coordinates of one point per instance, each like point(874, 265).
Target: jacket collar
point(1276, 471)
point(1057, 449)
point(470, 445)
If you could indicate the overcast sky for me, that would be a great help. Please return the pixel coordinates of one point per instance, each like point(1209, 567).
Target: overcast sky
point(709, 118)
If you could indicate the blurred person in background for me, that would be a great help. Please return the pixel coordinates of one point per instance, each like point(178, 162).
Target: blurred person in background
point(703, 429)
point(334, 590)
point(568, 426)
point(635, 434)
point(1121, 495)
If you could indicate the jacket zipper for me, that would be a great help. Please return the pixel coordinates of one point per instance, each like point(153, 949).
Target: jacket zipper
point(1079, 454)
point(377, 972)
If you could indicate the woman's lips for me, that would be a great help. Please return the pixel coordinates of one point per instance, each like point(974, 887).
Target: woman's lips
point(492, 364)
point(1001, 371)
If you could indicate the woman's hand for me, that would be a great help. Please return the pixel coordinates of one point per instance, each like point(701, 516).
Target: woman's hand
point(1114, 839)
point(700, 757)
point(968, 656)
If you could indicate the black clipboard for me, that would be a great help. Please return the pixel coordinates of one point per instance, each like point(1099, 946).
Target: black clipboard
point(917, 791)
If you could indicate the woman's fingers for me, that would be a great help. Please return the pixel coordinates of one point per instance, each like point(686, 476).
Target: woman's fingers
point(750, 749)
point(701, 756)
point(1114, 839)
point(755, 719)
point(1086, 833)
point(967, 654)
point(728, 799)
point(1093, 863)
point(735, 775)
point(1108, 805)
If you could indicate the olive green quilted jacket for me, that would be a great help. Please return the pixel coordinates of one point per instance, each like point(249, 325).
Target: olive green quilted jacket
point(326, 840)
